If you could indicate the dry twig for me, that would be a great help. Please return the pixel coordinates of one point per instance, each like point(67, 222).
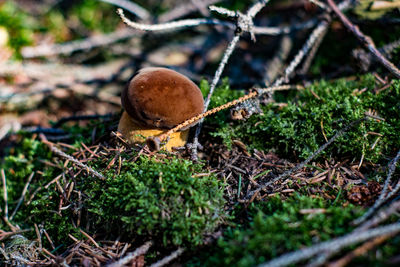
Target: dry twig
point(365, 40)
point(335, 244)
point(169, 258)
point(244, 22)
point(384, 196)
point(70, 158)
point(313, 155)
point(133, 255)
point(131, 7)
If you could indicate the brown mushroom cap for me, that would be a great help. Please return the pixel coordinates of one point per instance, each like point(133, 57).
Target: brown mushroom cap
point(162, 98)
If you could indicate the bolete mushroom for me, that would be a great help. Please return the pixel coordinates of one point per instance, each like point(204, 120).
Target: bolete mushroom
point(156, 100)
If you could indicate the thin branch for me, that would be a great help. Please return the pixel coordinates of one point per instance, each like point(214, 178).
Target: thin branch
point(221, 66)
point(314, 36)
point(312, 39)
point(47, 50)
point(384, 194)
point(365, 40)
point(5, 196)
point(313, 155)
point(185, 9)
point(258, 30)
point(381, 216)
point(223, 11)
point(133, 255)
point(274, 66)
point(131, 7)
point(188, 23)
point(70, 158)
point(174, 25)
point(254, 9)
point(307, 62)
point(83, 117)
point(335, 244)
point(361, 250)
point(169, 258)
point(310, 43)
point(95, 41)
point(244, 23)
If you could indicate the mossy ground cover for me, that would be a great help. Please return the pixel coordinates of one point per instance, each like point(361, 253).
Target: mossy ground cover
point(312, 116)
point(203, 206)
point(148, 198)
point(176, 202)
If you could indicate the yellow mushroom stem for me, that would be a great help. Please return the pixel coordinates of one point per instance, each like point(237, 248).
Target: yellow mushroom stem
point(137, 134)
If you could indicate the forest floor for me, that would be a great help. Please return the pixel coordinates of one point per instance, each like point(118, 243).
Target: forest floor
point(305, 173)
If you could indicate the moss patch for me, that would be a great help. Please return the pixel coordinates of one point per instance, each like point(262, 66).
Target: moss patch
point(298, 129)
point(158, 199)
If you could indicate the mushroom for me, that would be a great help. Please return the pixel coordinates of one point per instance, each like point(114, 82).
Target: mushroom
point(156, 100)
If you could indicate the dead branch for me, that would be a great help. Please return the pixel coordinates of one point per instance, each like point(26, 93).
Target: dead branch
point(47, 50)
point(314, 36)
point(384, 196)
point(313, 155)
point(174, 25)
point(133, 255)
point(380, 216)
point(98, 40)
point(276, 64)
point(307, 62)
point(188, 23)
point(131, 7)
point(365, 40)
point(361, 250)
point(5, 195)
point(335, 244)
point(185, 9)
point(245, 22)
point(169, 258)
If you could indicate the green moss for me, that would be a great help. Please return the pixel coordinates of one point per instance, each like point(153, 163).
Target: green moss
point(158, 199)
point(152, 199)
point(18, 25)
point(298, 129)
point(278, 226)
point(95, 16)
point(21, 161)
